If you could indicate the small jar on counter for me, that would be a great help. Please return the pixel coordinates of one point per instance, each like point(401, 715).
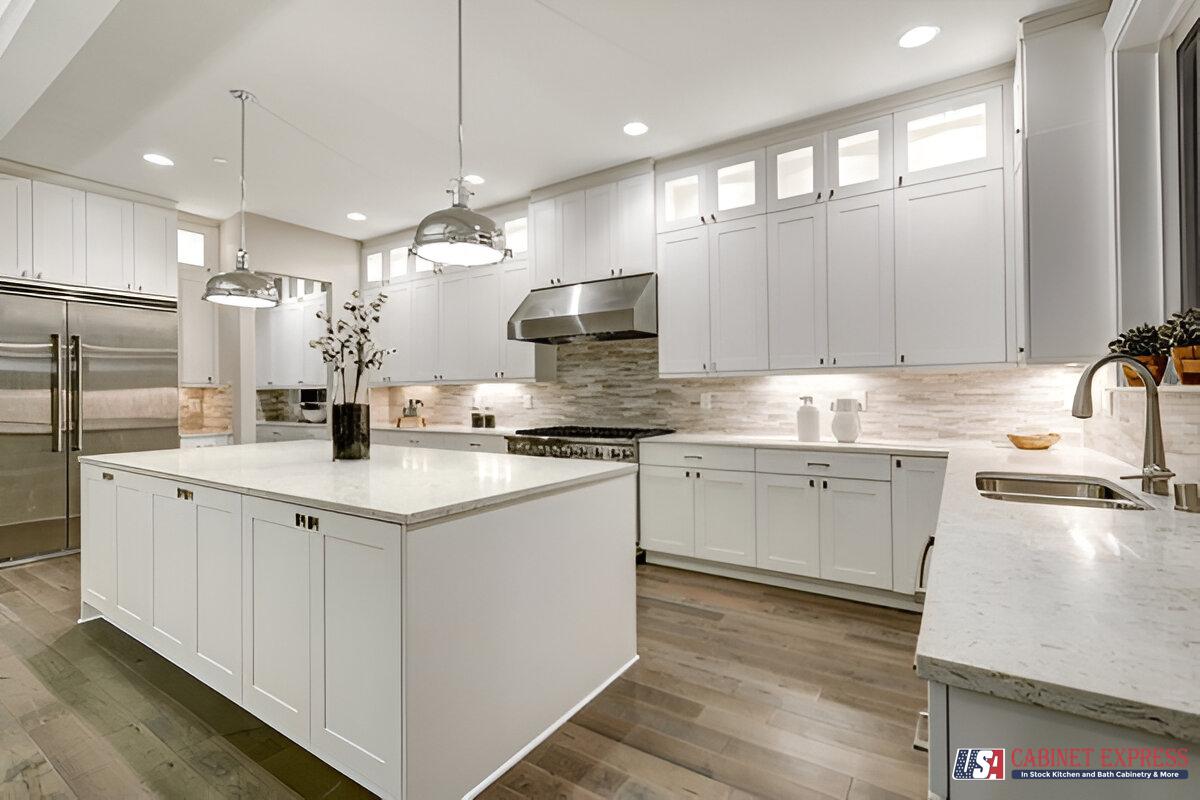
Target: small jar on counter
point(476, 418)
point(489, 418)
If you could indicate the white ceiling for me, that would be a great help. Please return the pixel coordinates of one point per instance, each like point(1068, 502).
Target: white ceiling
point(549, 83)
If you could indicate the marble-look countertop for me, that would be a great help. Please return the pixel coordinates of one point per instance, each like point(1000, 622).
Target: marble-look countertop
point(893, 448)
point(288, 423)
point(397, 484)
point(1094, 612)
point(463, 429)
point(192, 433)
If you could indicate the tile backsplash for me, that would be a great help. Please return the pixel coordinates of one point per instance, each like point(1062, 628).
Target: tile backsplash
point(205, 409)
point(617, 383)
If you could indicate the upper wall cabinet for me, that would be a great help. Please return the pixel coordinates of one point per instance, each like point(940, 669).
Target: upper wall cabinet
point(955, 136)
point(862, 282)
point(591, 234)
point(796, 276)
point(155, 264)
point(16, 232)
point(860, 158)
point(109, 242)
point(796, 173)
point(59, 244)
point(715, 191)
point(197, 329)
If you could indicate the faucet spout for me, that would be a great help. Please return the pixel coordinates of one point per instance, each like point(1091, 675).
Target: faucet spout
point(1155, 475)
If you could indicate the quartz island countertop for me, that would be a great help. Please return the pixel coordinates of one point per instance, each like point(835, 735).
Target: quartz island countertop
point(1093, 612)
point(397, 484)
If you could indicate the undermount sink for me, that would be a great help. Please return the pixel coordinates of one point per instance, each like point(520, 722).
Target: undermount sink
point(1059, 490)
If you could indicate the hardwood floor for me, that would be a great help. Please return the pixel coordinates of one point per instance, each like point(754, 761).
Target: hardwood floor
point(743, 691)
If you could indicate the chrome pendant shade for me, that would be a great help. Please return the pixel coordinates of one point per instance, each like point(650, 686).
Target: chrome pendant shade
point(242, 288)
point(458, 236)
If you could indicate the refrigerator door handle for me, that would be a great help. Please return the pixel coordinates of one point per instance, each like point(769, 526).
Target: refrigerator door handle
point(56, 394)
point(75, 391)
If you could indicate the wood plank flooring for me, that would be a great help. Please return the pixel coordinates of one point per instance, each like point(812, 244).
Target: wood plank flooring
point(743, 691)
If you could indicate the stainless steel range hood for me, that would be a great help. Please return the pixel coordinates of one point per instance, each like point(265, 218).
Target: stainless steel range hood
point(614, 308)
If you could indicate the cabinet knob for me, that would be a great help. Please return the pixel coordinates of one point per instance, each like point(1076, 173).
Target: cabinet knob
point(819, 196)
point(831, 194)
point(713, 217)
point(702, 220)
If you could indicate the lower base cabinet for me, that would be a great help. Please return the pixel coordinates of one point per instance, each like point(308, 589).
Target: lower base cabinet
point(788, 525)
point(856, 532)
point(705, 513)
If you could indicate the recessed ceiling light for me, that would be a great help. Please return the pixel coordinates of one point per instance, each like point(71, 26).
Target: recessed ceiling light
point(635, 128)
point(219, 160)
point(474, 180)
point(158, 160)
point(922, 34)
point(356, 216)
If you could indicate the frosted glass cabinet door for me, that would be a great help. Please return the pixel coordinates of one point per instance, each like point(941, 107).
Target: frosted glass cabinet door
point(737, 187)
point(860, 158)
point(956, 136)
point(682, 196)
point(796, 173)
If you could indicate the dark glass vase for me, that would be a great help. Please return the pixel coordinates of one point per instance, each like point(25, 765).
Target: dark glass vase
point(351, 431)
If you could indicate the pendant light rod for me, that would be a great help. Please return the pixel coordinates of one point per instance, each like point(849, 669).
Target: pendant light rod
point(242, 95)
point(460, 95)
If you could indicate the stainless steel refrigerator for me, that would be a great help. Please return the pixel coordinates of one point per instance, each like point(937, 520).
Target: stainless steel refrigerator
point(81, 371)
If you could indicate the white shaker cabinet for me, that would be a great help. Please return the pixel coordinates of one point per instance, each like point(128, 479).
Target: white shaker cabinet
point(197, 330)
point(725, 516)
point(154, 249)
point(950, 276)
point(796, 173)
point(856, 532)
point(517, 359)
point(545, 256)
point(952, 136)
point(635, 225)
point(737, 295)
point(796, 275)
point(861, 283)
point(59, 234)
point(423, 354)
point(392, 331)
point(16, 228)
point(109, 239)
point(285, 344)
point(788, 524)
point(313, 371)
point(726, 188)
point(683, 312)
point(668, 510)
point(571, 212)
point(600, 204)
point(916, 497)
point(454, 323)
point(859, 158)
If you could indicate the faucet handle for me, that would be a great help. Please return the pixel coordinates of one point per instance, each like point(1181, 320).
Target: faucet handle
point(1151, 472)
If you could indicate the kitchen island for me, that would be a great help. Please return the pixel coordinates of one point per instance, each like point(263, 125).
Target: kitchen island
point(419, 620)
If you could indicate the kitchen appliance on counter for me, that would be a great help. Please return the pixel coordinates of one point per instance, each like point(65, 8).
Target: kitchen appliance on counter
point(82, 371)
point(595, 443)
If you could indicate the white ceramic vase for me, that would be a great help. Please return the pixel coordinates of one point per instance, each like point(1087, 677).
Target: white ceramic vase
point(846, 424)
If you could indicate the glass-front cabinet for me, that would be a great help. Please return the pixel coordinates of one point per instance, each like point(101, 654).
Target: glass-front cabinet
point(796, 173)
point(860, 158)
point(714, 191)
point(954, 136)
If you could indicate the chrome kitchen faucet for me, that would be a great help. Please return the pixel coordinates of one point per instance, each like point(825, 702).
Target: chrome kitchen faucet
point(1155, 475)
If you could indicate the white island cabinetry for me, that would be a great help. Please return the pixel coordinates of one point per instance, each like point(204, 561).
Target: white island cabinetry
point(366, 609)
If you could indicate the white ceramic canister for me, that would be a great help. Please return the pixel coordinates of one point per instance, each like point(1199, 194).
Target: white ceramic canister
point(808, 421)
point(846, 424)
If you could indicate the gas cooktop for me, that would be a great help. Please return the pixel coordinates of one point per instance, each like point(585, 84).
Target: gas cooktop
point(593, 432)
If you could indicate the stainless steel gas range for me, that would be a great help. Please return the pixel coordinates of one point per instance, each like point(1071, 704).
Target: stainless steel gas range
point(582, 441)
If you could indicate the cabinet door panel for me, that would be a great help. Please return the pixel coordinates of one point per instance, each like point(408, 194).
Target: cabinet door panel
point(861, 283)
point(788, 524)
point(737, 271)
point(264, 347)
point(725, 516)
point(109, 242)
point(860, 158)
point(571, 210)
point(423, 355)
point(173, 620)
point(518, 359)
point(218, 642)
point(796, 275)
point(16, 228)
point(285, 344)
point(545, 257)
point(454, 339)
point(635, 225)
point(601, 228)
point(59, 235)
point(276, 616)
point(668, 510)
point(312, 368)
point(394, 331)
point(856, 532)
point(135, 548)
point(683, 285)
point(954, 136)
point(483, 323)
point(356, 610)
point(916, 498)
point(154, 260)
point(680, 198)
point(950, 257)
point(197, 330)
point(98, 551)
point(796, 173)
point(737, 187)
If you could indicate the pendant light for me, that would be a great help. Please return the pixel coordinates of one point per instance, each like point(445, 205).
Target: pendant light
point(458, 236)
point(242, 288)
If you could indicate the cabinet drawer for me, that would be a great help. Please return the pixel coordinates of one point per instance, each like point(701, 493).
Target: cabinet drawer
point(402, 437)
point(700, 455)
point(864, 466)
point(476, 442)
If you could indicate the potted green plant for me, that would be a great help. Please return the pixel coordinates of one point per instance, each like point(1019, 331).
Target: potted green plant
point(1147, 344)
point(347, 345)
point(1182, 335)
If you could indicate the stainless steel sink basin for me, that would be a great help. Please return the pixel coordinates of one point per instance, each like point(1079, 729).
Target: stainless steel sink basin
point(1059, 490)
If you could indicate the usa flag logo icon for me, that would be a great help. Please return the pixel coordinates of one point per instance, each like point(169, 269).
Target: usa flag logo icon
point(979, 764)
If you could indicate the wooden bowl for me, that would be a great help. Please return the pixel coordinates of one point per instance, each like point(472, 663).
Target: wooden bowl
point(1033, 441)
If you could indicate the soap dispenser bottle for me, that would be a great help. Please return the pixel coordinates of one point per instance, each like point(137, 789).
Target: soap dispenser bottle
point(808, 421)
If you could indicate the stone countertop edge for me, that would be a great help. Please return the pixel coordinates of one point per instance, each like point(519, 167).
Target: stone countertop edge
point(410, 520)
point(936, 449)
point(1091, 612)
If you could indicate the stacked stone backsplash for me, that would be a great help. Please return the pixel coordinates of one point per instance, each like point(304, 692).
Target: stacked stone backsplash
point(617, 383)
point(1119, 428)
point(277, 405)
point(205, 410)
